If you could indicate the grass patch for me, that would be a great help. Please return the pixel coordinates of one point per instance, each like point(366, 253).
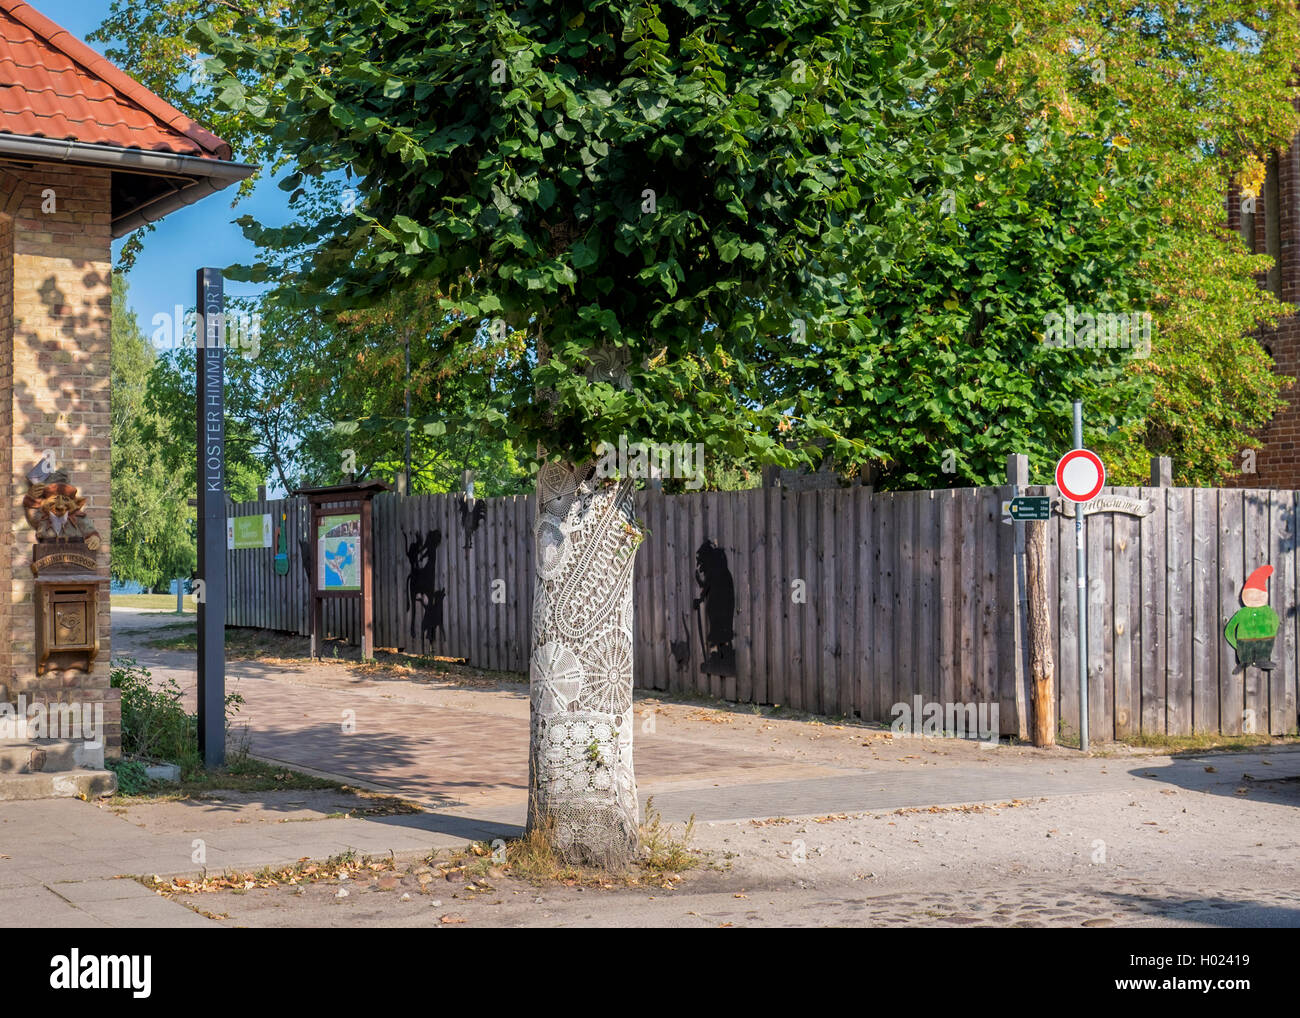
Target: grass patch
point(152, 602)
point(665, 857)
point(1175, 745)
point(242, 774)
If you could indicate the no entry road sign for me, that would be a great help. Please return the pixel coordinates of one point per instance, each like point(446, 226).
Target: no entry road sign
point(1080, 475)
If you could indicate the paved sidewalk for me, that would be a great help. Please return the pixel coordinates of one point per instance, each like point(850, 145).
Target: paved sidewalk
point(461, 751)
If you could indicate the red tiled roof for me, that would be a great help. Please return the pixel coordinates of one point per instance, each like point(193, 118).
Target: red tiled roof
point(52, 85)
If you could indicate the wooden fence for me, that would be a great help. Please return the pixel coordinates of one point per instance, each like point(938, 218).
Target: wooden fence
point(848, 601)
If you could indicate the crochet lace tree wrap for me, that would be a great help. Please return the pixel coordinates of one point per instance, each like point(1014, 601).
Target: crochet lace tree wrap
point(582, 789)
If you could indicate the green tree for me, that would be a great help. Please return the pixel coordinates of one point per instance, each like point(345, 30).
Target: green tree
point(251, 395)
point(150, 539)
point(149, 39)
point(354, 376)
point(1202, 91)
point(707, 224)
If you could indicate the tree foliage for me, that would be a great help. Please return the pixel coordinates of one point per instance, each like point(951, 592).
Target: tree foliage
point(859, 224)
point(1203, 91)
point(251, 400)
point(150, 540)
point(714, 225)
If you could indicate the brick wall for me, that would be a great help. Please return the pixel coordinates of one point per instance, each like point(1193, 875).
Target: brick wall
point(54, 394)
point(6, 434)
point(1277, 456)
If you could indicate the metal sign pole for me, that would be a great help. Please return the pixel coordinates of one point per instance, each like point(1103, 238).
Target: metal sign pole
point(210, 402)
point(1081, 593)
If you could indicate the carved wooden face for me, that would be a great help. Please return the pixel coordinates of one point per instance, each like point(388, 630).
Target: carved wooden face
point(60, 506)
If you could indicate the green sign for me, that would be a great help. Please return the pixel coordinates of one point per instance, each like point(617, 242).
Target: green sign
point(1031, 507)
point(248, 532)
point(338, 553)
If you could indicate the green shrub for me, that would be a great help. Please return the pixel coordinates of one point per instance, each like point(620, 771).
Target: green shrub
point(155, 724)
point(131, 778)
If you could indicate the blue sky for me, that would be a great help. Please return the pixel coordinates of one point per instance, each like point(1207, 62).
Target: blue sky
point(200, 235)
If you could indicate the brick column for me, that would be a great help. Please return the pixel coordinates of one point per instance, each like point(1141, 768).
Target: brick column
point(54, 394)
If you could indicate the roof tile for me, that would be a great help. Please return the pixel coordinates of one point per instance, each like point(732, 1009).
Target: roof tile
point(54, 86)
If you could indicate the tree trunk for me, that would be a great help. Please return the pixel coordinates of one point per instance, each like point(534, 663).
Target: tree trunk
point(582, 792)
point(1041, 665)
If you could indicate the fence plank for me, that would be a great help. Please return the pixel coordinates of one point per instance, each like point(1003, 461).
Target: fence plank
point(1010, 671)
point(1205, 611)
point(1179, 585)
point(843, 607)
point(1230, 535)
point(778, 597)
point(885, 579)
point(1125, 562)
point(1258, 548)
point(828, 607)
point(1152, 682)
point(968, 671)
point(758, 593)
point(927, 625)
point(864, 644)
point(1067, 708)
point(725, 509)
point(1282, 679)
point(948, 614)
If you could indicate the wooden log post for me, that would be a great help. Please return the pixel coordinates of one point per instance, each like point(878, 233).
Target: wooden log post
point(1042, 667)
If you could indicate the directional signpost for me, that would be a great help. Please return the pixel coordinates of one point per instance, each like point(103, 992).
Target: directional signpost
point(1030, 507)
point(1080, 476)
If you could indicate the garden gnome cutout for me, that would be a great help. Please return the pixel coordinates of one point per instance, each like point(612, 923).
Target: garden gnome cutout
point(1252, 629)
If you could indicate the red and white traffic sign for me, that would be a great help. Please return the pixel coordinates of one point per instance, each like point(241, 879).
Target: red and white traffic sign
point(1080, 475)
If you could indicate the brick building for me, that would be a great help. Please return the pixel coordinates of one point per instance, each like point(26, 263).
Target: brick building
point(86, 155)
point(1271, 225)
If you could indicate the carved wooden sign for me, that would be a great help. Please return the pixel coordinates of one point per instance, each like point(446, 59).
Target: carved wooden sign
point(65, 537)
point(64, 563)
point(1106, 504)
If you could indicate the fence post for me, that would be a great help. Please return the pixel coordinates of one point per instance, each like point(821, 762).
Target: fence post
point(1018, 479)
point(1162, 472)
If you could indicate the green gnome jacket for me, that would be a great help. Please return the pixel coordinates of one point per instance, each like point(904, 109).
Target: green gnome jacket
point(1251, 624)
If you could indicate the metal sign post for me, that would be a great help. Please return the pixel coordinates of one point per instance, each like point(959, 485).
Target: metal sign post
point(1081, 594)
point(1080, 476)
point(210, 402)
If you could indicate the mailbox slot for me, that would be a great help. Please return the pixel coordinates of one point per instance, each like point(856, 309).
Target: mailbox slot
point(67, 630)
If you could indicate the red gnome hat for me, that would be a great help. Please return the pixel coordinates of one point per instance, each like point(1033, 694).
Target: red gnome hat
point(1258, 580)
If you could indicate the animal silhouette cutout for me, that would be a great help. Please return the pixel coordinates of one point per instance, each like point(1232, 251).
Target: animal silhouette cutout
point(471, 515)
point(717, 598)
point(422, 585)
